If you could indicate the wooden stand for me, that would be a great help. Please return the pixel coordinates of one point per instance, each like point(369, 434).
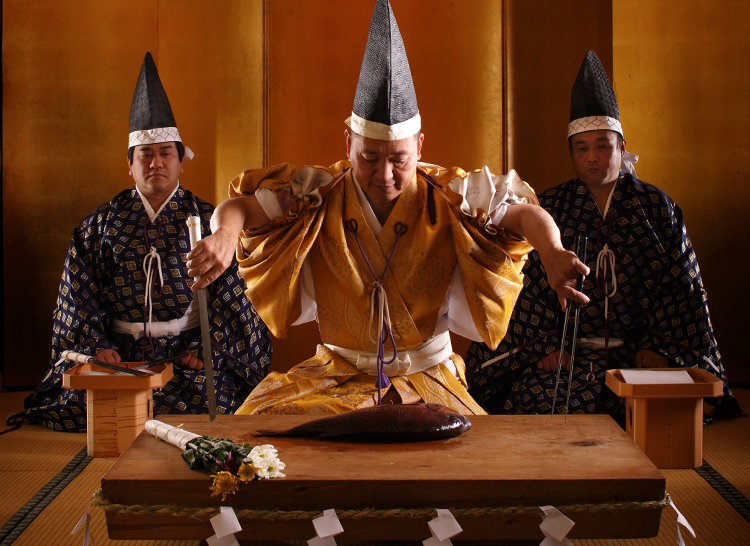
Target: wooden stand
point(509, 463)
point(117, 406)
point(666, 420)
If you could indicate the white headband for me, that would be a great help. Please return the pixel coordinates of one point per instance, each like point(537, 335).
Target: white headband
point(157, 135)
point(380, 131)
point(594, 123)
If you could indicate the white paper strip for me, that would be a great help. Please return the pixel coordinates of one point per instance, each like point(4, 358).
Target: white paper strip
point(433, 541)
point(226, 523)
point(228, 540)
point(322, 541)
point(328, 524)
point(444, 526)
point(85, 520)
point(681, 520)
point(555, 526)
point(550, 541)
point(656, 377)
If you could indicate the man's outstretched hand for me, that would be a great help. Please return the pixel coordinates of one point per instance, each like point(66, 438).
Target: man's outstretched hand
point(563, 271)
point(211, 257)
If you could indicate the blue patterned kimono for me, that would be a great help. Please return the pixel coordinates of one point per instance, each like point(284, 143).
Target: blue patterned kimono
point(104, 279)
point(660, 304)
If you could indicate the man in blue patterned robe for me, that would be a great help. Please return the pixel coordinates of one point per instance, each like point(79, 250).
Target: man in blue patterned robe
point(125, 292)
point(648, 307)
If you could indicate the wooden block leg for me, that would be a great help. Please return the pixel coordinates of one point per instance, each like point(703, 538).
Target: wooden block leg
point(133, 408)
point(668, 430)
point(101, 423)
point(115, 419)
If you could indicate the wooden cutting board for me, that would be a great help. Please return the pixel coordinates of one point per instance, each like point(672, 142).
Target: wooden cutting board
point(503, 461)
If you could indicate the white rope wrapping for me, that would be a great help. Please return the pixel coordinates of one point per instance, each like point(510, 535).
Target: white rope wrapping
point(173, 435)
point(148, 262)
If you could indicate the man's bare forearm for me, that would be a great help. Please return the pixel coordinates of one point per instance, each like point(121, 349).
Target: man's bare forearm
point(238, 213)
point(539, 229)
point(534, 224)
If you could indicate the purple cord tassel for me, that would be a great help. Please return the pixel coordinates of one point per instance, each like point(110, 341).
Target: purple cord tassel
point(382, 381)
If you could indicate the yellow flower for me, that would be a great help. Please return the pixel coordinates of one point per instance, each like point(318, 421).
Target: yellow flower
point(246, 472)
point(224, 484)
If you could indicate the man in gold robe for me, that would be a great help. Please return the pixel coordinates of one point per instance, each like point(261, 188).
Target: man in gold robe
point(388, 254)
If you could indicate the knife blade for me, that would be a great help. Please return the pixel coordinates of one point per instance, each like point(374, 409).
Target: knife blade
point(194, 229)
point(580, 250)
point(88, 359)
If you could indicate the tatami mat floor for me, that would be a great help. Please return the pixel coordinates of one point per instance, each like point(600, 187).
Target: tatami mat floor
point(32, 456)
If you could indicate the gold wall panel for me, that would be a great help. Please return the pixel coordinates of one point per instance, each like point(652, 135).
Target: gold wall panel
point(315, 52)
point(547, 42)
point(69, 71)
point(682, 78)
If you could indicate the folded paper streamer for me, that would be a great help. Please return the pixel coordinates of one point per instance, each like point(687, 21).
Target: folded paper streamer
point(443, 528)
point(681, 521)
point(326, 526)
point(555, 526)
point(86, 520)
point(225, 525)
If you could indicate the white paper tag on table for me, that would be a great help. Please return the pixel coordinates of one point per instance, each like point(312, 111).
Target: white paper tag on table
point(228, 540)
point(443, 528)
point(226, 522)
point(328, 524)
point(326, 527)
point(655, 377)
point(85, 520)
point(681, 520)
point(555, 526)
point(322, 541)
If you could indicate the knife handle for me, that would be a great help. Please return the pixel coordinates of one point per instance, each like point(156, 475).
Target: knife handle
point(194, 230)
point(77, 357)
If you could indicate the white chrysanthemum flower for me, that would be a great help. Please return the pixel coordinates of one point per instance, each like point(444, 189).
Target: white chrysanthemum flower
point(261, 455)
point(272, 470)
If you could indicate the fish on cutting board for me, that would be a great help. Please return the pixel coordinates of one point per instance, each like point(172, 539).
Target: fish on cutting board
point(384, 423)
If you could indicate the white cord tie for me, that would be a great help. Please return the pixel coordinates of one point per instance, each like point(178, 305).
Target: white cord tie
point(383, 311)
point(148, 263)
point(606, 260)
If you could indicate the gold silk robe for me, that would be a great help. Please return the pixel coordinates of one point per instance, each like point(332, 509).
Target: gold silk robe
point(416, 283)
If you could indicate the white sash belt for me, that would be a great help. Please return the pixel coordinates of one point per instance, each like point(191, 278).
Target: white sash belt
point(191, 319)
point(427, 355)
point(597, 343)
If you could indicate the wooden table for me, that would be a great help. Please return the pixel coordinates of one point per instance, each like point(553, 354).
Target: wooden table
point(503, 461)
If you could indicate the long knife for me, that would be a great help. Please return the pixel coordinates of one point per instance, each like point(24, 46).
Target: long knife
point(580, 250)
point(194, 228)
point(88, 359)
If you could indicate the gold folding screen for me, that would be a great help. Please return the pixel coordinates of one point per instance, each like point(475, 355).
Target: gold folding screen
point(69, 71)
point(492, 79)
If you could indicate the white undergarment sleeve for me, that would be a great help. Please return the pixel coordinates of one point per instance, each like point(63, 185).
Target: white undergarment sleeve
point(492, 193)
point(309, 306)
point(268, 202)
point(459, 316)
